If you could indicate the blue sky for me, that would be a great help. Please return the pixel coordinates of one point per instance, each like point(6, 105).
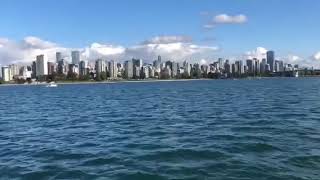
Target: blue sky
point(286, 26)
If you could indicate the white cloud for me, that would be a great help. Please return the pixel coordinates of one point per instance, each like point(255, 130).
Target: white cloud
point(259, 53)
point(177, 51)
point(168, 40)
point(169, 47)
point(316, 56)
point(97, 50)
point(227, 19)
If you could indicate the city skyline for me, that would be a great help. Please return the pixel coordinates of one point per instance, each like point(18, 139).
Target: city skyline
point(190, 31)
point(82, 70)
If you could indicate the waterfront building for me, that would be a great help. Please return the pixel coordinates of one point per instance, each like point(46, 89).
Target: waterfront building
point(100, 66)
point(83, 68)
point(257, 69)
point(5, 70)
point(145, 72)
point(128, 69)
point(281, 66)
point(239, 67)
point(34, 69)
point(174, 69)
point(14, 70)
point(62, 67)
point(234, 68)
point(137, 63)
point(41, 66)
point(75, 56)
point(151, 72)
point(221, 64)
point(25, 72)
point(263, 66)
point(204, 69)
point(112, 69)
point(73, 68)
point(136, 72)
point(271, 60)
point(166, 73)
point(51, 68)
point(276, 66)
point(187, 69)
point(197, 70)
point(250, 65)
point(268, 68)
point(227, 67)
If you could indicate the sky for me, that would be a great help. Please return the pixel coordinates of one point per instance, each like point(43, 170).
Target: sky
point(176, 29)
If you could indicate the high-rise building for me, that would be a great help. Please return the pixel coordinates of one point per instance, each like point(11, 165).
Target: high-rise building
point(151, 72)
point(263, 66)
point(83, 68)
point(277, 66)
point(41, 66)
point(270, 60)
point(113, 70)
point(234, 68)
point(174, 69)
point(145, 72)
point(250, 65)
point(239, 67)
point(256, 66)
point(137, 63)
point(25, 72)
point(128, 69)
point(62, 67)
point(75, 56)
point(14, 70)
point(137, 66)
point(187, 68)
point(5, 73)
point(34, 69)
point(100, 66)
point(227, 67)
point(58, 57)
point(51, 68)
point(221, 63)
point(73, 68)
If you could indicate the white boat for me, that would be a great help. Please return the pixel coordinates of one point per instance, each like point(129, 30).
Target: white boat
point(52, 84)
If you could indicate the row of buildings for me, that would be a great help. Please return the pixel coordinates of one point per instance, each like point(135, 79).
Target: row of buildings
point(41, 68)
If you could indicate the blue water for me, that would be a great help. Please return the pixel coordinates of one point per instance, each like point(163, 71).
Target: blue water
point(219, 129)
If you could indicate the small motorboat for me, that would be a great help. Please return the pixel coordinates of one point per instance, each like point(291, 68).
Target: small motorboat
point(52, 84)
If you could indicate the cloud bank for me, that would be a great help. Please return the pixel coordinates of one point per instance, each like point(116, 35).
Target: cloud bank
point(225, 19)
point(176, 48)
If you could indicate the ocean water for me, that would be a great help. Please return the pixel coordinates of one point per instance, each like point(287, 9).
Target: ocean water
point(210, 129)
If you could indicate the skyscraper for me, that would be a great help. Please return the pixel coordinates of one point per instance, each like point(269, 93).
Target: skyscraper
point(75, 55)
point(62, 67)
point(6, 73)
point(41, 66)
point(113, 70)
point(100, 66)
point(270, 60)
point(51, 68)
point(83, 68)
point(128, 69)
point(250, 65)
point(174, 69)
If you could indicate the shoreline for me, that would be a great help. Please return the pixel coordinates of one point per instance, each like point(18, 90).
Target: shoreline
point(107, 82)
point(145, 81)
